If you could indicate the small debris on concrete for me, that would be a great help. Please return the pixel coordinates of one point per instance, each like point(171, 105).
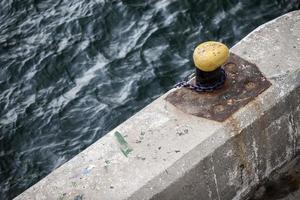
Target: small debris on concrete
point(124, 147)
point(138, 141)
point(88, 169)
point(182, 132)
point(78, 197)
point(62, 197)
point(74, 184)
point(140, 158)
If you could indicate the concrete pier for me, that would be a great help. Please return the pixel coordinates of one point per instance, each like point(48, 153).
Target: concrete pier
point(165, 153)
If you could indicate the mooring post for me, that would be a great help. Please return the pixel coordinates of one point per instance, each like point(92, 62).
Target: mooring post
point(208, 59)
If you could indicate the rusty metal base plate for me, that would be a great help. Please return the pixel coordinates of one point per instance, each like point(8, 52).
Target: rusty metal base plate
point(244, 82)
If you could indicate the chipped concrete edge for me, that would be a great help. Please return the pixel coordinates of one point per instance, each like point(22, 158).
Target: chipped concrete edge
point(217, 160)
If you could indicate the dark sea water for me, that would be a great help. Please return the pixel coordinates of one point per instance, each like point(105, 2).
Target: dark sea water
point(71, 70)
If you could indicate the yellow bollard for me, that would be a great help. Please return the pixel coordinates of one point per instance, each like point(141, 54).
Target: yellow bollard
point(208, 58)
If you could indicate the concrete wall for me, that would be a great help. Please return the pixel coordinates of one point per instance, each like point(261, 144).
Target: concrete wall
point(180, 156)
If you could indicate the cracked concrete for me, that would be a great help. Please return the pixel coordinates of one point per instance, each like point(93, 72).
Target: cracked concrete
point(180, 156)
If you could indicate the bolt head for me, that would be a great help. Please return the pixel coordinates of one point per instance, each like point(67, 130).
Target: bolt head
point(209, 56)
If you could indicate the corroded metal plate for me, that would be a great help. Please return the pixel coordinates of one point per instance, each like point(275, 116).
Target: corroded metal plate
point(244, 82)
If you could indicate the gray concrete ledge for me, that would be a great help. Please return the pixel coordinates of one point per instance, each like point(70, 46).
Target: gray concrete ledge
point(179, 156)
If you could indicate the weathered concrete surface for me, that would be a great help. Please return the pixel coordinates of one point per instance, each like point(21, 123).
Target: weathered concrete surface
point(282, 184)
point(180, 156)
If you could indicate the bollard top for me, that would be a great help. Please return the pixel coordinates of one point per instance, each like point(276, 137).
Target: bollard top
point(209, 56)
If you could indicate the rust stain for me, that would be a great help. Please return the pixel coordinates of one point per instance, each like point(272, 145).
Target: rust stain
point(244, 83)
point(234, 125)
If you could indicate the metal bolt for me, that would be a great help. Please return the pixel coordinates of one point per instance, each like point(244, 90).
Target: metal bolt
point(250, 86)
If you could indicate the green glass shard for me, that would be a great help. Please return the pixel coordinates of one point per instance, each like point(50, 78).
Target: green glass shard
point(124, 147)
